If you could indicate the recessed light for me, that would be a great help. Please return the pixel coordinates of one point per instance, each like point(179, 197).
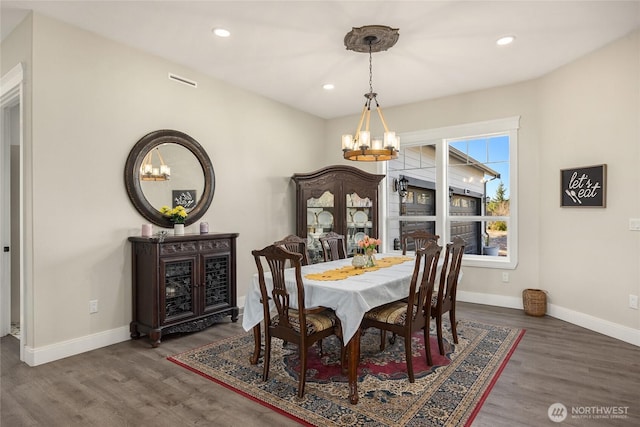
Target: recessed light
point(503, 41)
point(328, 86)
point(221, 32)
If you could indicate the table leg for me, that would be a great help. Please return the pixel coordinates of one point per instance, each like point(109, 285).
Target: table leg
point(353, 354)
point(257, 340)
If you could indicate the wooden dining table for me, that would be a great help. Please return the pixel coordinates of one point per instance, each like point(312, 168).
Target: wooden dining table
point(350, 298)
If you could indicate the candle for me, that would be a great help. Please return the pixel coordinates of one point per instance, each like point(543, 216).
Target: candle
point(147, 230)
point(365, 139)
point(204, 227)
point(347, 142)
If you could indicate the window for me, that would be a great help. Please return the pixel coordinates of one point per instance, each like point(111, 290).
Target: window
point(460, 181)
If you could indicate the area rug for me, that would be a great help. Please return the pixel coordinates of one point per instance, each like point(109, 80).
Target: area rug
point(449, 393)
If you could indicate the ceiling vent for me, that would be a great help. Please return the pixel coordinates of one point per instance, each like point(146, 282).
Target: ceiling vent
point(182, 80)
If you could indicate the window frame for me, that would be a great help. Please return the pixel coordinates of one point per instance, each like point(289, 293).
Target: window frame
point(440, 138)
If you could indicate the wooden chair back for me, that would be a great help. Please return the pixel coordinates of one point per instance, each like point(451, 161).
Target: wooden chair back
point(296, 244)
point(450, 274)
point(420, 238)
point(447, 289)
point(333, 246)
point(422, 283)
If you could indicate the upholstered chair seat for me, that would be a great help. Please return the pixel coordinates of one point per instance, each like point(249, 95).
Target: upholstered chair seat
point(394, 313)
point(316, 322)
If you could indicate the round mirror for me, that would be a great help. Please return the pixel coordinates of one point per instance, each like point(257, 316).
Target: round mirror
point(169, 168)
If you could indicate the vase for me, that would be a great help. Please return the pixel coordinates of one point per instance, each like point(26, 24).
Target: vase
point(370, 258)
point(491, 250)
point(178, 229)
point(359, 261)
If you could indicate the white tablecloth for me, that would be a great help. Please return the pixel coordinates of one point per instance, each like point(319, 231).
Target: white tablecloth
point(351, 298)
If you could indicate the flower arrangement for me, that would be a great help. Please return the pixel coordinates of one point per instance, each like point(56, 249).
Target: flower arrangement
point(369, 244)
point(176, 215)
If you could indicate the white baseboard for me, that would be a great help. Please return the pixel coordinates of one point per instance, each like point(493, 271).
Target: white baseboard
point(49, 353)
point(605, 327)
point(489, 299)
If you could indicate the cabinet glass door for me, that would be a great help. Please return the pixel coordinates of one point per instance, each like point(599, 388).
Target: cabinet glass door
point(320, 220)
point(359, 220)
point(216, 282)
point(179, 278)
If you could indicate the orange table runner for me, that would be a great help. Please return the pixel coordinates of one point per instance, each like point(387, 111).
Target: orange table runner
point(349, 271)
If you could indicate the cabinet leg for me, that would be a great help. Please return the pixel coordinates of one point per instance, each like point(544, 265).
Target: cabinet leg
point(133, 330)
point(234, 314)
point(155, 336)
point(257, 342)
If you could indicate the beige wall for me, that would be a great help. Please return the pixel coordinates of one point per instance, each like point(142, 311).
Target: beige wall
point(93, 99)
point(590, 260)
point(585, 113)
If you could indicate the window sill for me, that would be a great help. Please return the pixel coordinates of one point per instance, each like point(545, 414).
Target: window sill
point(484, 261)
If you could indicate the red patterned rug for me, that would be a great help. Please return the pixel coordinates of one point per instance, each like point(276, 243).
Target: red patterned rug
point(449, 393)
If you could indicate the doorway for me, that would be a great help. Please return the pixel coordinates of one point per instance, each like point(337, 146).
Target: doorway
point(11, 213)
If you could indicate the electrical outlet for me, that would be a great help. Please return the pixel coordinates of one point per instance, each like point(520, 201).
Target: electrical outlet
point(633, 301)
point(93, 306)
point(505, 277)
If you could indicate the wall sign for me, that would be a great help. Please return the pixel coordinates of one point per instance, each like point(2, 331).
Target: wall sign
point(186, 198)
point(583, 187)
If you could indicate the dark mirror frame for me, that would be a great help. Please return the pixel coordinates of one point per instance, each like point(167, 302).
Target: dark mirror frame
point(132, 175)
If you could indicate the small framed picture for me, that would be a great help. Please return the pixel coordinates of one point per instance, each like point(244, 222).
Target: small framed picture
point(186, 198)
point(584, 187)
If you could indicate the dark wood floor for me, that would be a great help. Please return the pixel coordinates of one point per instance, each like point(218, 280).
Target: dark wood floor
point(132, 384)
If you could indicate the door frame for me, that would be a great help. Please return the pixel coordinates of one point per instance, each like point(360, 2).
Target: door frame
point(12, 95)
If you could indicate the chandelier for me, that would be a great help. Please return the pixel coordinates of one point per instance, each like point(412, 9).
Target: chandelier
point(148, 172)
point(360, 146)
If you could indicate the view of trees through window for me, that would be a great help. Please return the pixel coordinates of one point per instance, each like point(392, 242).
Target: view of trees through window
point(489, 154)
point(498, 206)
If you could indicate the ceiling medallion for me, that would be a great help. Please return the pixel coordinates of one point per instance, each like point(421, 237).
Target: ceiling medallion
point(381, 37)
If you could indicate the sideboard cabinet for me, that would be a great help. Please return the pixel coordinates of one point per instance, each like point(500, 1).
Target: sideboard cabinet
point(182, 283)
point(342, 199)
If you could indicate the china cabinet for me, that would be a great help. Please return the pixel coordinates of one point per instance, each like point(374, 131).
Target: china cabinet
point(342, 199)
point(182, 283)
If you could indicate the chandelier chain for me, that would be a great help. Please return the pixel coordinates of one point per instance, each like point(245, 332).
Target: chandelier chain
point(370, 70)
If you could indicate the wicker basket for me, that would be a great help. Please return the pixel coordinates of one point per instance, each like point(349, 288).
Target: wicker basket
point(535, 302)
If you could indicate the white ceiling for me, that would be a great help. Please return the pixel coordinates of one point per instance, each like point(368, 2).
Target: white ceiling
point(287, 50)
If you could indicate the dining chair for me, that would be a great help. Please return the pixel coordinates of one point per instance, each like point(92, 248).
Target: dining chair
point(295, 244)
point(445, 300)
point(302, 326)
point(405, 317)
point(420, 239)
point(333, 246)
